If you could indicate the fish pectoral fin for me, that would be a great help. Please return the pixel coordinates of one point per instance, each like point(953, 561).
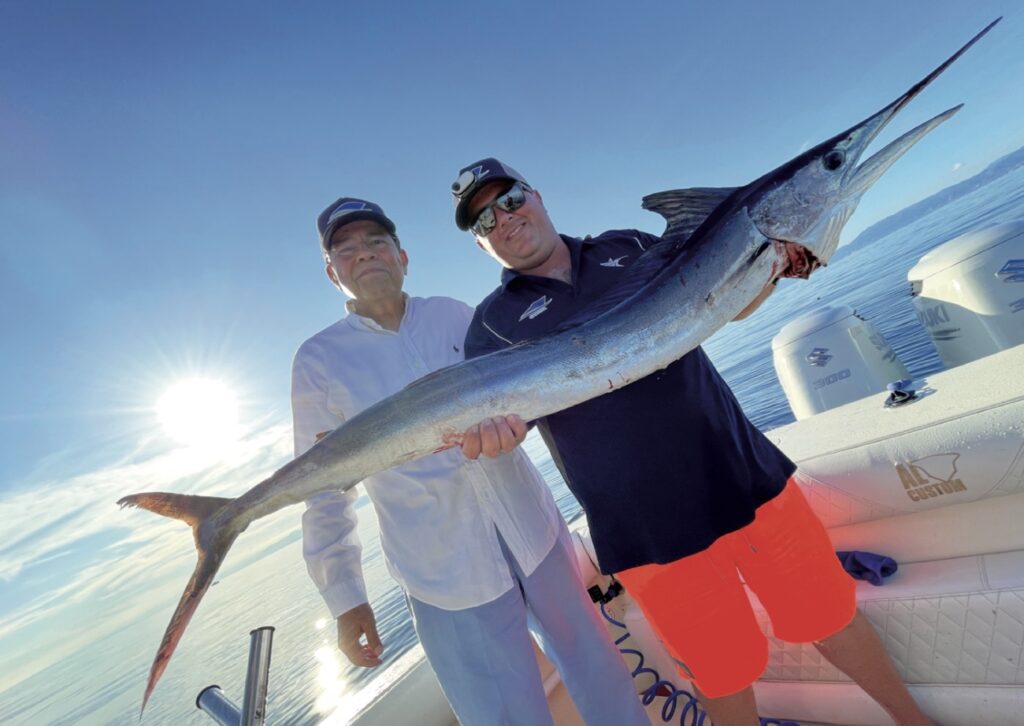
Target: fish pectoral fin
point(685, 209)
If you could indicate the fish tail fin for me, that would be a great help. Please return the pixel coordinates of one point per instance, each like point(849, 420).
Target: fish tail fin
point(188, 508)
point(212, 545)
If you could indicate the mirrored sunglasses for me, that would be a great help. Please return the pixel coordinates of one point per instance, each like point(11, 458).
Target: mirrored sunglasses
point(509, 202)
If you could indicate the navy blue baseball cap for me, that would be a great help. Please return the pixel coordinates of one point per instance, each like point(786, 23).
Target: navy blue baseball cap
point(349, 209)
point(472, 179)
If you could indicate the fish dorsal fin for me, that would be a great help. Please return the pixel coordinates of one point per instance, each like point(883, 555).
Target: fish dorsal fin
point(685, 209)
point(646, 267)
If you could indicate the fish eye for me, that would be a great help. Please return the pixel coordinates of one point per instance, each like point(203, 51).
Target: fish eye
point(833, 159)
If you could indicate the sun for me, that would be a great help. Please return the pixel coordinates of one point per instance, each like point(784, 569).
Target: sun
point(199, 412)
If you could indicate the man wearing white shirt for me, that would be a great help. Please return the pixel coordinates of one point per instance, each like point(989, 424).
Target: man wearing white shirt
point(478, 545)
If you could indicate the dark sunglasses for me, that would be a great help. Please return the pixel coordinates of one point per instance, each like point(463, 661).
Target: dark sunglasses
point(510, 201)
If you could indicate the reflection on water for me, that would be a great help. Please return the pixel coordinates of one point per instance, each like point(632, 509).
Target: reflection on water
point(331, 687)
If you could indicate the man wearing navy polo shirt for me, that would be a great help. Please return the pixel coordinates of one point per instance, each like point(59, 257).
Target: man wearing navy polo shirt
point(681, 491)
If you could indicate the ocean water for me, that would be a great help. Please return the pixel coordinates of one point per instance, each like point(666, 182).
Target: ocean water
point(309, 680)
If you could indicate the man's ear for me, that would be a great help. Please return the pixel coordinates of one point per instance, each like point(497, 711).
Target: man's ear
point(332, 276)
point(480, 244)
point(404, 257)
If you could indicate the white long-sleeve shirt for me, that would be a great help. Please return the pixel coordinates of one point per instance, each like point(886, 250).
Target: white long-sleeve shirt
point(438, 514)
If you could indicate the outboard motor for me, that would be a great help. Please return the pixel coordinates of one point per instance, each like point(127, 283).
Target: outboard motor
point(969, 293)
point(831, 357)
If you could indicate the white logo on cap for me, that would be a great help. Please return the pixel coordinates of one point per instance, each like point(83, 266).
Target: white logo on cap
point(468, 179)
point(346, 208)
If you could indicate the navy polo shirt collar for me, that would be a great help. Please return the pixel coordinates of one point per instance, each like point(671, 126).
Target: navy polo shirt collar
point(575, 245)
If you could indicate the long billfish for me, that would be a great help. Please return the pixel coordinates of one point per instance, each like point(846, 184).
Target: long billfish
point(720, 249)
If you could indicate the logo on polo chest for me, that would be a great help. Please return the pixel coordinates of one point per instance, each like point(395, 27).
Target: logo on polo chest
point(614, 261)
point(536, 308)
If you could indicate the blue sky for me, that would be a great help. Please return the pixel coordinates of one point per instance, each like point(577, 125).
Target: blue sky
point(161, 166)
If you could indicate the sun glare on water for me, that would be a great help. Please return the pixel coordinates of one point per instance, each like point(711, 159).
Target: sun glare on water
point(199, 412)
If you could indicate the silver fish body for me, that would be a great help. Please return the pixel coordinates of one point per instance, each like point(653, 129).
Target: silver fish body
point(644, 334)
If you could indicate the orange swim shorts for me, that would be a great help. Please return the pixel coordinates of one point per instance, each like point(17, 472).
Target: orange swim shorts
point(699, 609)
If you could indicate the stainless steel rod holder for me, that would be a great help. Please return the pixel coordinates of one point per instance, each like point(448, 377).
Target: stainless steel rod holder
point(212, 701)
point(254, 703)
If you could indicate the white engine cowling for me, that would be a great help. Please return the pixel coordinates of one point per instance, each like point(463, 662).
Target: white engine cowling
point(831, 357)
point(969, 293)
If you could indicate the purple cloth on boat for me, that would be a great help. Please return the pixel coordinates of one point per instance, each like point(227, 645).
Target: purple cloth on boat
point(867, 565)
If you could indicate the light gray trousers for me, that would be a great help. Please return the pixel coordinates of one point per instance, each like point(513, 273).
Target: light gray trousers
point(484, 659)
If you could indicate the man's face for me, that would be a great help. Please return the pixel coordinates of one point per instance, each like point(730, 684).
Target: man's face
point(365, 262)
point(521, 240)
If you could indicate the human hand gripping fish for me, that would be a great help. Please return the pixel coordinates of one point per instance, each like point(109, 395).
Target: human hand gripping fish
point(720, 250)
